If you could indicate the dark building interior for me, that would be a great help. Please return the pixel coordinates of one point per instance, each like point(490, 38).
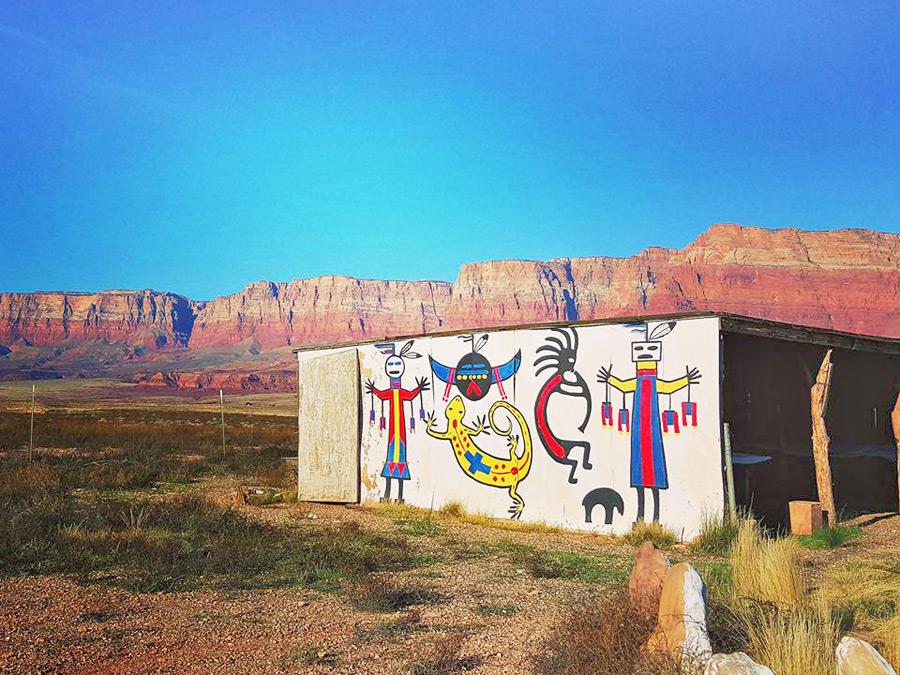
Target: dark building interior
point(766, 401)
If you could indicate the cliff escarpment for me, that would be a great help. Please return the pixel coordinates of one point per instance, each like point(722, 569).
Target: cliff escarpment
point(144, 318)
point(842, 279)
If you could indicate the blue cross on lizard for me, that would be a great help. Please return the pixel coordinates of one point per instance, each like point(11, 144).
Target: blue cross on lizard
point(475, 463)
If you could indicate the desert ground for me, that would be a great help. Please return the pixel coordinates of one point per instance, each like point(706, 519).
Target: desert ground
point(126, 549)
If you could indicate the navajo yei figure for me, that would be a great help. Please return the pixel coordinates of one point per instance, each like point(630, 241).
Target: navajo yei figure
point(395, 464)
point(648, 459)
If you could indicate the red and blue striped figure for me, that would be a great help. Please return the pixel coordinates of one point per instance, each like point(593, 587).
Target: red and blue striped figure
point(648, 458)
point(395, 464)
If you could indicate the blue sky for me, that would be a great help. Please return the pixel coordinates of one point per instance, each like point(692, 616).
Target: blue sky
point(196, 146)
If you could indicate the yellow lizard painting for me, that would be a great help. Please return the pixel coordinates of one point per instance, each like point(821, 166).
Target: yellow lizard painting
point(499, 472)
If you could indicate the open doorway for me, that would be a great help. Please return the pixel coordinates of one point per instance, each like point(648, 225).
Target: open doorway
point(766, 389)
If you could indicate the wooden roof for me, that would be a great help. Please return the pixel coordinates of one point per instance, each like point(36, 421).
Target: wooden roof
point(730, 323)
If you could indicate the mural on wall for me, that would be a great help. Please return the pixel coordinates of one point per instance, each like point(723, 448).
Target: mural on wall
point(395, 464)
point(561, 353)
point(648, 460)
point(420, 457)
point(500, 472)
point(473, 374)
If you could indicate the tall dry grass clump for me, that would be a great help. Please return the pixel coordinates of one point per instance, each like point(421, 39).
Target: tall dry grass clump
point(795, 641)
point(452, 509)
point(783, 626)
point(764, 569)
point(798, 641)
point(887, 638)
point(866, 594)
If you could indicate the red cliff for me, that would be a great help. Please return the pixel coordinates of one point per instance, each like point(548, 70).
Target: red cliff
point(139, 318)
point(843, 279)
point(320, 310)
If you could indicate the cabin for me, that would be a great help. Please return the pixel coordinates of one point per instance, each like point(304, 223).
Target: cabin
point(595, 425)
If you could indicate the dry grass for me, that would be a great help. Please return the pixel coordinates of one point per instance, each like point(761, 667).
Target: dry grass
point(866, 595)
point(443, 658)
point(454, 511)
point(791, 641)
point(795, 631)
point(766, 569)
point(117, 502)
point(151, 430)
point(887, 639)
point(661, 536)
point(717, 534)
point(486, 520)
point(772, 610)
point(605, 638)
point(870, 586)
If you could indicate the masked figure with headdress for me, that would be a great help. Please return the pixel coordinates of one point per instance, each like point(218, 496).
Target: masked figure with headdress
point(648, 459)
point(395, 464)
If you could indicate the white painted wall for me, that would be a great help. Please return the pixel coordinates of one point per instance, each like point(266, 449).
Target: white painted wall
point(693, 457)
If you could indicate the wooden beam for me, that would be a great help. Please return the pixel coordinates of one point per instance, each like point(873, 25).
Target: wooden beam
point(729, 472)
point(820, 440)
point(895, 426)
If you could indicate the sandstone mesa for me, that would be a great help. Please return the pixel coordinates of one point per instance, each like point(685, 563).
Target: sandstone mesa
point(842, 279)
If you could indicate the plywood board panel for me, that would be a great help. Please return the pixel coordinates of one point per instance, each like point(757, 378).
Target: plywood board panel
point(328, 447)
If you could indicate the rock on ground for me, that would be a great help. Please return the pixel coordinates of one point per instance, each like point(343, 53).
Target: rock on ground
point(735, 664)
point(858, 657)
point(646, 583)
point(681, 630)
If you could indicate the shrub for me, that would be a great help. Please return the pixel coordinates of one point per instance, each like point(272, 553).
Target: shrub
point(452, 510)
point(604, 638)
point(717, 534)
point(791, 641)
point(766, 569)
point(661, 536)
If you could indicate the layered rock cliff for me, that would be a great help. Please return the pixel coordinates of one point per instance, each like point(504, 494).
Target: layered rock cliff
point(139, 318)
point(321, 310)
point(845, 279)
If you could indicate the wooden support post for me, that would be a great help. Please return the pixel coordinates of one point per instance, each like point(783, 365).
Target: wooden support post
point(31, 433)
point(222, 409)
point(729, 472)
point(820, 439)
point(895, 426)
